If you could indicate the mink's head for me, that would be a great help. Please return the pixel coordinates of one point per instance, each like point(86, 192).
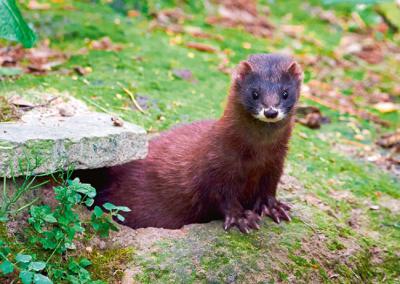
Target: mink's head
point(268, 86)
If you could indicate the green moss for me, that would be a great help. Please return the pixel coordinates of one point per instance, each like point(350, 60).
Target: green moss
point(7, 111)
point(335, 245)
point(109, 265)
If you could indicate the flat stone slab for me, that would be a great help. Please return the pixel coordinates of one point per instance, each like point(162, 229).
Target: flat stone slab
point(84, 140)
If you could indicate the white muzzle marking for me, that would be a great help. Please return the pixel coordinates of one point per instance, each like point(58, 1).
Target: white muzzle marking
point(261, 116)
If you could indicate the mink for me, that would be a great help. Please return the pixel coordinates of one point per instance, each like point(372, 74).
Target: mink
point(217, 169)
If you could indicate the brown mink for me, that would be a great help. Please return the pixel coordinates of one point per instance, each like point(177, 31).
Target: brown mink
point(228, 168)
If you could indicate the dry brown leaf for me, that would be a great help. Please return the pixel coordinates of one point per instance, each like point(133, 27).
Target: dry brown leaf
point(242, 13)
point(19, 101)
point(133, 13)
point(310, 116)
point(372, 53)
point(38, 60)
point(389, 140)
point(198, 33)
point(83, 70)
point(35, 5)
point(202, 47)
point(117, 121)
point(104, 43)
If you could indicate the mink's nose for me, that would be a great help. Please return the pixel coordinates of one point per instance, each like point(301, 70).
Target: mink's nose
point(270, 113)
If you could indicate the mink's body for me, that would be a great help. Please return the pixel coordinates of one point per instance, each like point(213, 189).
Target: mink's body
point(228, 168)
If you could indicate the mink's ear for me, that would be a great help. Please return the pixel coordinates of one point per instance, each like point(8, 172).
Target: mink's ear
point(241, 71)
point(295, 70)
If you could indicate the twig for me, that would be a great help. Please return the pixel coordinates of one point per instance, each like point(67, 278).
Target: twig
point(310, 226)
point(354, 143)
point(132, 97)
point(47, 103)
point(25, 107)
point(26, 205)
point(98, 106)
point(54, 251)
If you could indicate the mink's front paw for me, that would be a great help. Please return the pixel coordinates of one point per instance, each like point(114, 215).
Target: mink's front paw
point(275, 209)
point(249, 220)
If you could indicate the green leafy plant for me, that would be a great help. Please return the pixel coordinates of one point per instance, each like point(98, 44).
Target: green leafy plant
point(30, 270)
point(13, 26)
point(55, 230)
point(102, 222)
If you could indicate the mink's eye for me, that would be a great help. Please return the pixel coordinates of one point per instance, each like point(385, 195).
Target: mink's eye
point(285, 95)
point(255, 95)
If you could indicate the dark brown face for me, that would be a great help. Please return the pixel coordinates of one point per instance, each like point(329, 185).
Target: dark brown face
point(270, 91)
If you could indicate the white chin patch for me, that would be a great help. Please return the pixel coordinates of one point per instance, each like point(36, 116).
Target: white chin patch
point(262, 117)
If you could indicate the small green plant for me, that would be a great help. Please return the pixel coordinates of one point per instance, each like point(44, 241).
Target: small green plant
point(103, 222)
point(30, 270)
point(54, 231)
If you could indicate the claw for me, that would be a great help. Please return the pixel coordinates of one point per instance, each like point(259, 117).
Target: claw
point(253, 219)
point(284, 205)
point(243, 225)
point(283, 214)
point(276, 210)
point(249, 220)
point(275, 216)
point(264, 211)
point(229, 222)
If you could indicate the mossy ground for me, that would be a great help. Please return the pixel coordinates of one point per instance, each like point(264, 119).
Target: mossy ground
point(338, 190)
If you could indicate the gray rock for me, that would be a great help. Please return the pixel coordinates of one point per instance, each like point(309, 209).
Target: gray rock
point(86, 140)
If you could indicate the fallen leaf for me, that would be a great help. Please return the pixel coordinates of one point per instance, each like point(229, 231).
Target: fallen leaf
point(389, 140)
point(170, 20)
point(133, 13)
point(104, 43)
point(198, 33)
point(117, 121)
point(242, 13)
point(35, 5)
point(372, 53)
point(201, 47)
point(40, 59)
point(19, 101)
point(310, 116)
point(83, 70)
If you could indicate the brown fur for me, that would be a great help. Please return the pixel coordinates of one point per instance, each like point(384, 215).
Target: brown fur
point(202, 171)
